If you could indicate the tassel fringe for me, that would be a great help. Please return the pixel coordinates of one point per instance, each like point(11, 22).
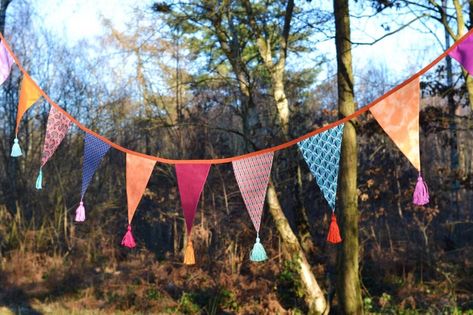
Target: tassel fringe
point(258, 253)
point(189, 256)
point(421, 193)
point(80, 213)
point(39, 179)
point(128, 240)
point(16, 150)
point(334, 232)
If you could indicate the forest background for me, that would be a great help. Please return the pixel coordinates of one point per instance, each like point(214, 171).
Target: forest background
point(209, 79)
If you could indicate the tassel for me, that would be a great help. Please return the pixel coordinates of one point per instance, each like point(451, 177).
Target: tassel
point(80, 213)
point(258, 253)
point(189, 257)
point(334, 232)
point(128, 240)
point(421, 193)
point(16, 150)
point(39, 179)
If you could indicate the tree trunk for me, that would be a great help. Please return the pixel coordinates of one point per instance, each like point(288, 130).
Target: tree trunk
point(348, 282)
point(313, 295)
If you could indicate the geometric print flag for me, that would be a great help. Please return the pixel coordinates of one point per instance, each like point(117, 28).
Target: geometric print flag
point(322, 154)
point(94, 150)
point(398, 115)
point(56, 129)
point(252, 175)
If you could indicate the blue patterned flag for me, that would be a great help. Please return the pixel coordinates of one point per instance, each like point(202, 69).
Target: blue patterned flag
point(322, 154)
point(94, 150)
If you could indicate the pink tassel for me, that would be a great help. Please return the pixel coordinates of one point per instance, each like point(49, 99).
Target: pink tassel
point(80, 213)
point(128, 240)
point(334, 232)
point(421, 193)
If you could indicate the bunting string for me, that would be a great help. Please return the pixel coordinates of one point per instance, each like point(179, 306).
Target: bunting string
point(282, 146)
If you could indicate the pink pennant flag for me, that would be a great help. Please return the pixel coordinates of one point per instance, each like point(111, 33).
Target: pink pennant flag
point(252, 175)
point(6, 61)
point(190, 180)
point(56, 129)
point(463, 53)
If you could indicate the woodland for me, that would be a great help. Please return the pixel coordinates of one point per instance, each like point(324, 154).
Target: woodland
point(210, 79)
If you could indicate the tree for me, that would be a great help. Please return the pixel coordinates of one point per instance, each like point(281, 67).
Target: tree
point(348, 282)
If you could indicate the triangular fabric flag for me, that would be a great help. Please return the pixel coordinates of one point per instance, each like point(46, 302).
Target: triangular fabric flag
point(191, 179)
point(138, 172)
point(29, 94)
point(6, 61)
point(463, 53)
point(398, 115)
point(322, 154)
point(56, 129)
point(252, 175)
point(94, 151)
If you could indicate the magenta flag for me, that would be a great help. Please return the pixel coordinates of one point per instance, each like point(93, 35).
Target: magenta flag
point(6, 62)
point(252, 175)
point(463, 53)
point(190, 180)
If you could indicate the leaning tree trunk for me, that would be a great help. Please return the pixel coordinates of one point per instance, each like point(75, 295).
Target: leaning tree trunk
point(348, 282)
point(313, 295)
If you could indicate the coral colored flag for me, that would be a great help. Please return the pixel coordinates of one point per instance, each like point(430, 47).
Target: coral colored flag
point(6, 62)
point(398, 115)
point(29, 94)
point(252, 175)
point(322, 154)
point(56, 129)
point(463, 53)
point(190, 180)
point(138, 172)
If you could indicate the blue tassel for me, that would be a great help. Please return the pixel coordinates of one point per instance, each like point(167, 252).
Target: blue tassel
point(16, 150)
point(39, 179)
point(258, 253)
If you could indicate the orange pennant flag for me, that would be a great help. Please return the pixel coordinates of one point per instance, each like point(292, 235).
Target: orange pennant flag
point(398, 115)
point(29, 94)
point(138, 172)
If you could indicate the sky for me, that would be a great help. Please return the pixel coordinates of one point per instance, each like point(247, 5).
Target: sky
point(401, 54)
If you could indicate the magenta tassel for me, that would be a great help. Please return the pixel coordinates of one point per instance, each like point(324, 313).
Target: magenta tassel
point(421, 193)
point(128, 240)
point(80, 213)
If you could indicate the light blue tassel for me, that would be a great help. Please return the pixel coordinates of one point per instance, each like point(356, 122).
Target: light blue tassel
point(16, 150)
point(39, 179)
point(258, 253)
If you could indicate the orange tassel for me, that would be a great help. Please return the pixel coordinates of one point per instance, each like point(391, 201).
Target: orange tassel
point(334, 232)
point(189, 257)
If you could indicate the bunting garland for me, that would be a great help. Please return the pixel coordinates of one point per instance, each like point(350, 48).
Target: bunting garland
point(94, 151)
point(252, 176)
point(397, 112)
point(322, 154)
point(56, 129)
point(191, 179)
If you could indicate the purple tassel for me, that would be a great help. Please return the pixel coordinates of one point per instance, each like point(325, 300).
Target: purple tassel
point(80, 213)
point(128, 240)
point(421, 193)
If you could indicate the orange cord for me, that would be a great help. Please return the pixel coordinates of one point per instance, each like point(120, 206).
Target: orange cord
point(247, 155)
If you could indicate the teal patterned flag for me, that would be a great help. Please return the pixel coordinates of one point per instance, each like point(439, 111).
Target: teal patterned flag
point(322, 154)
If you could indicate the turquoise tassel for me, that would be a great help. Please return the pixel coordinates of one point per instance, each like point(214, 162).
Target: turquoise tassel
point(39, 180)
point(258, 253)
point(16, 150)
